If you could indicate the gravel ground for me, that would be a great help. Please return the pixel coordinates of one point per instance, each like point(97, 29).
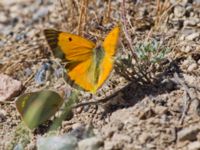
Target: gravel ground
point(163, 114)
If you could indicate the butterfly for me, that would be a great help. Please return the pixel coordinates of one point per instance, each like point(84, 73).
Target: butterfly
point(88, 65)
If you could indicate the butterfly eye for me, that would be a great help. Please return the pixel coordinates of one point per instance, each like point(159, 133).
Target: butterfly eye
point(70, 39)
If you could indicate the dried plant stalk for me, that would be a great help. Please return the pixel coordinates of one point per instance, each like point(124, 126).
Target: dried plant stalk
point(83, 16)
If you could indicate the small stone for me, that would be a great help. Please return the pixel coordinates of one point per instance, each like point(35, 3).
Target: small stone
point(194, 145)
point(187, 49)
point(179, 11)
point(3, 18)
point(160, 110)
point(189, 133)
point(117, 125)
point(193, 36)
point(186, 63)
point(192, 67)
point(191, 80)
point(196, 2)
point(9, 87)
point(43, 11)
point(109, 145)
point(144, 137)
point(77, 126)
point(90, 143)
point(119, 137)
point(57, 142)
point(79, 130)
point(198, 62)
point(182, 37)
point(2, 116)
point(79, 110)
point(191, 22)
point(185, 2)
point(146, 114)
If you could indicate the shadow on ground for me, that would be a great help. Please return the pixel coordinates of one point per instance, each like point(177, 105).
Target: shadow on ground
point(135, 91)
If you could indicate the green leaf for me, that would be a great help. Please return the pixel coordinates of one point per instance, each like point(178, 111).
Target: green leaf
point(67, 111)
point(37, 107)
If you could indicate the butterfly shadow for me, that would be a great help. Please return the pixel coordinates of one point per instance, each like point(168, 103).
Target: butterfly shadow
point(135, 91)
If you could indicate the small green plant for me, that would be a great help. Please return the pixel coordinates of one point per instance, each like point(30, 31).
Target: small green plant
point(151, 52)
point(143, 63)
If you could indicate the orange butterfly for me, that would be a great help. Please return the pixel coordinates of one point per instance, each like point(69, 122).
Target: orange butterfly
point(88, 65)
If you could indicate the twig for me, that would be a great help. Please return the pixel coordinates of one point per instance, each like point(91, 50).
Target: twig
point(125, 30)
point(108, 11)
point(86, 13)
point(83, 13)
point(187, 97)
point(164, 13)
point(81, 17)
point(95, 102)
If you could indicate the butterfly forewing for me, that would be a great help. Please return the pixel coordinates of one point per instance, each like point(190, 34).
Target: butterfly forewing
point(111, 41)
point(74, 47)
point(109, 46)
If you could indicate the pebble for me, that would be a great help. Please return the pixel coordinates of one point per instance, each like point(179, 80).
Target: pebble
point(57, 142)
point(194, 145)
point(198, 62)
point(193, 36)
point(78, 126)
point(109, 145)
point(122, 138)
point(179, 11)
point(182, 37)
point(191, 21)
point(144, 137)
point(3, 18)
point(27, 72)
point(79, 130)
point(186, 63)
point(90, 143)
point(188, 133)
point(196, 2)
point(147, 113)
point(186, 49)
point(191, 80)
point(185, 2)
point(9, 87)
point(43, 11)
point(160, 110)
point(192, 67)
point(2, 116)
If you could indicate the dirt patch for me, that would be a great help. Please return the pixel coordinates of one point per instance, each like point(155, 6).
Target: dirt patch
point(160, 114)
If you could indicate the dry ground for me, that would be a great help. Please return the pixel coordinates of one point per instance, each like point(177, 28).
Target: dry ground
point(163, 114)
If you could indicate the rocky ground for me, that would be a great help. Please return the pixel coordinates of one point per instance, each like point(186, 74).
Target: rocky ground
point(161, 114)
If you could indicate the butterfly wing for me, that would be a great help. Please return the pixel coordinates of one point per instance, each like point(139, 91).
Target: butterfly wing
point(69, 46)
point(83, 74)
point(78, 52)
point(84, 66)
point(97, 68)
point(109, 47)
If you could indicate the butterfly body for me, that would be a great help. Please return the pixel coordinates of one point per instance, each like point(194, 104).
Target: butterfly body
point(88, 66)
